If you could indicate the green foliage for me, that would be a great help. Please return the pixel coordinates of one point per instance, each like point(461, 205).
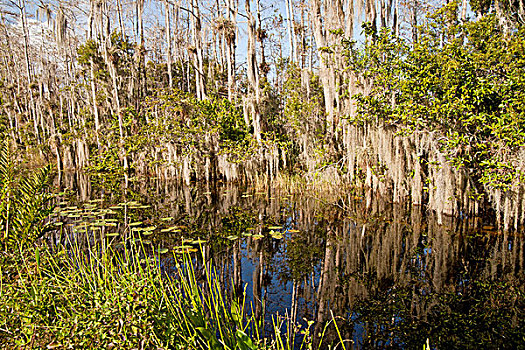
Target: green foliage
point(208, 127)
point(301, 110)
point(93, 298)
point(24, 202)
point(464, 81)
point(87, 52)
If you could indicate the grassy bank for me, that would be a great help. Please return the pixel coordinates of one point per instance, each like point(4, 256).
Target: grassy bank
point(85, 298)
point(92, 298)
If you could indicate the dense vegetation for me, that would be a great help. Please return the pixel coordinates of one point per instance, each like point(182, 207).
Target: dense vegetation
point(417, 101)
point(311, 98)
point(463, 81)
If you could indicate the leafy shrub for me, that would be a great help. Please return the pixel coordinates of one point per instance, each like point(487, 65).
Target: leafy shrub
point(464, 81)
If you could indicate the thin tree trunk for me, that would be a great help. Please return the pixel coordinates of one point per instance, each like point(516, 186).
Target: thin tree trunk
point(252, 73)
point(198, 54)
point(324, 69)
point(395, 22)
point(413, 21)
point(32, 109)
point(231, 46)
point(121, 24)
point(168, 44)
point(94, 99)
point(289, 13)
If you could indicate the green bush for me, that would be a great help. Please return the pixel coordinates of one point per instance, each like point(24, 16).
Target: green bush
point(464, 81)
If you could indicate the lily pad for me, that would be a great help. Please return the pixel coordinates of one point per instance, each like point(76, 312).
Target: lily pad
point(184, 249)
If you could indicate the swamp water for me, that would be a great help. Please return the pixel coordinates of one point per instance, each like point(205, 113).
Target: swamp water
point(388, 274)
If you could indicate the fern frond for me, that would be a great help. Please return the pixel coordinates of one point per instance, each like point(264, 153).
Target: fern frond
point(24, 202)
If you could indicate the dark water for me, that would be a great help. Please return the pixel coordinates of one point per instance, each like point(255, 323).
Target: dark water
point(390, 275)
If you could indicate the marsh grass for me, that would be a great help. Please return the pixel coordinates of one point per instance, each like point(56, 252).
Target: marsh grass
point(89, 297)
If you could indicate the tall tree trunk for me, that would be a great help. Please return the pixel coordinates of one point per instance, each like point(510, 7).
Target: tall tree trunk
point(198, 51)
point(291, 31)
point(383, 13)
point(120, 23)
point(328, 36)
point(261, 38)
point(140, 52)
point(464, 11)
point(395, 22)
point(413, 21)
point(230, 37)
point(25, 31)
point(168, 43)
point(253, 74)
point(94, 99)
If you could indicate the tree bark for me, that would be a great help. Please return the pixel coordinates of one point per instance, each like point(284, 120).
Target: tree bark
point(168, 43)
point(253, 73)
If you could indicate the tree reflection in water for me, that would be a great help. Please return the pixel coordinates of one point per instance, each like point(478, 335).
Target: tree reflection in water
point(389, 274)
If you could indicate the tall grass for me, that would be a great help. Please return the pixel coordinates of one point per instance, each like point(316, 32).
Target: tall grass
point(92, 298)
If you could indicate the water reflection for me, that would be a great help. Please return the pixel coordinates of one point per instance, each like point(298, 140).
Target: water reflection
point(389, 274)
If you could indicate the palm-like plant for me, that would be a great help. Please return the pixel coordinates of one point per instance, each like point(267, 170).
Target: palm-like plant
point(24, 202)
